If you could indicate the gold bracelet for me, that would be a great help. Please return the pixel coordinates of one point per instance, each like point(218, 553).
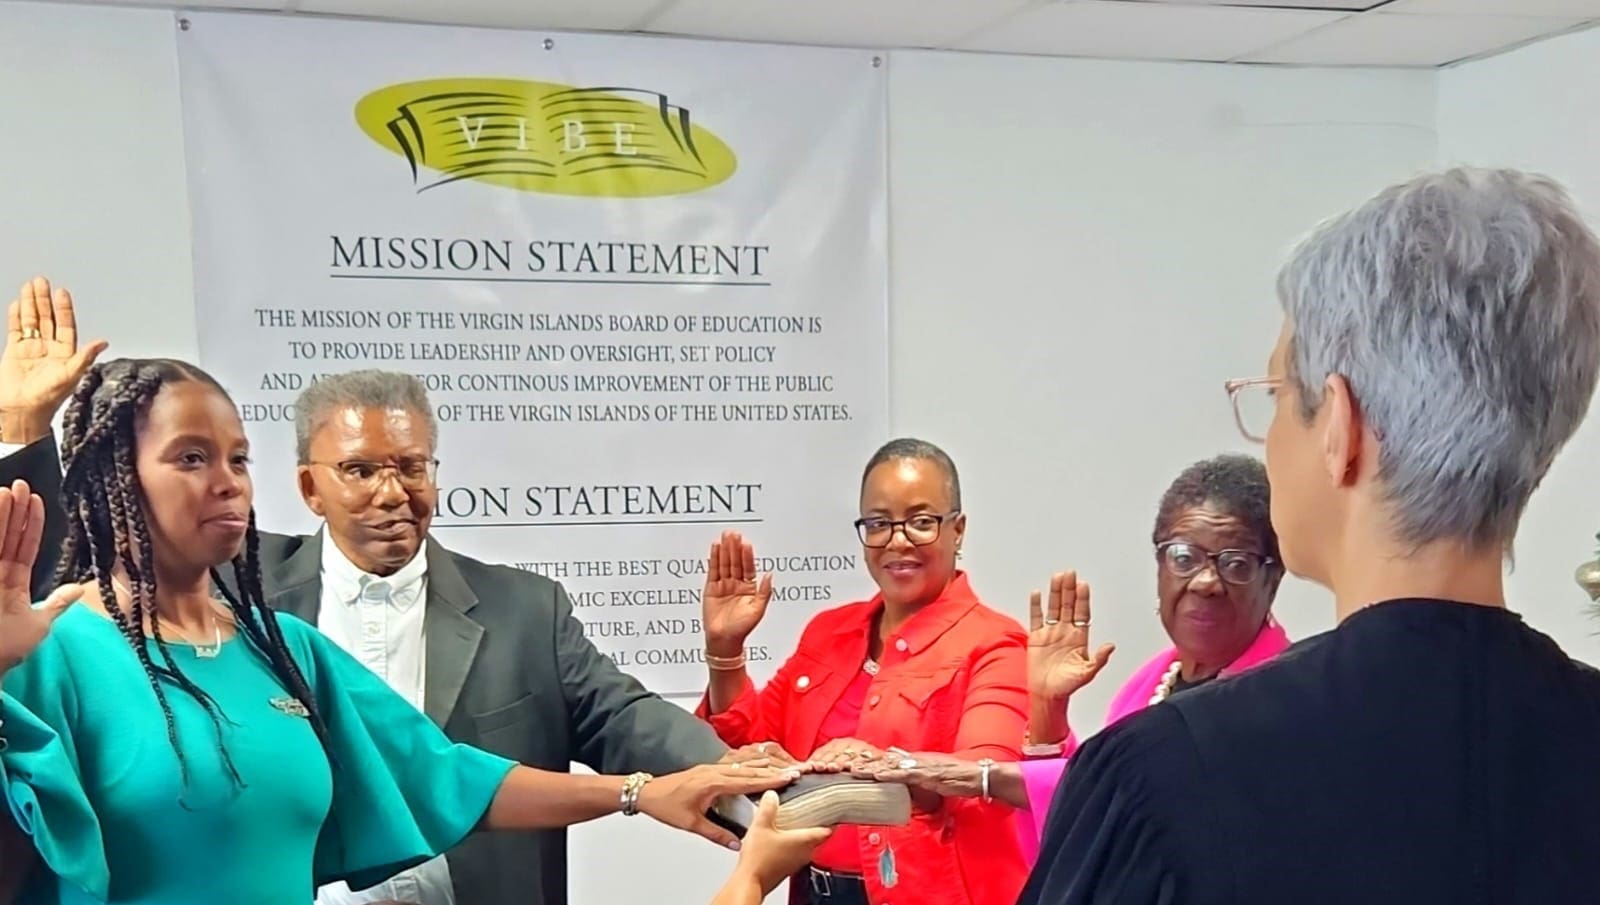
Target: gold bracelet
point(724, 664)
point(630, 792)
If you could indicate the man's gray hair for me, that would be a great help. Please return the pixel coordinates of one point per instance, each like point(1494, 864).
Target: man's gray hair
point(1463, 308)
point(361, 390)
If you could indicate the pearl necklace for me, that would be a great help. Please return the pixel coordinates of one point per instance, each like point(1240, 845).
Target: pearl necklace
point(1169, 680)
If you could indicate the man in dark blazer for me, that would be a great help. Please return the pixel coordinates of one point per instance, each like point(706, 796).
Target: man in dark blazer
point(510, 671)
point(505, 664)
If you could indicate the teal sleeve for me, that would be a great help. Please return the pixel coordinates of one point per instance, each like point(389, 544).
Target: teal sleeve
point(43, 788)
point(402, 791)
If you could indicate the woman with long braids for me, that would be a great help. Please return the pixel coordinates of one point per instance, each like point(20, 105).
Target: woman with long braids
point(165, 745)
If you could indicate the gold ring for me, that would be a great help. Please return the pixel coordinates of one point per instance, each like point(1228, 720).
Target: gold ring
point(31, 333)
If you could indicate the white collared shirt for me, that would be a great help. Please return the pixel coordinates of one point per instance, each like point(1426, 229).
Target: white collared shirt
point(379, 621)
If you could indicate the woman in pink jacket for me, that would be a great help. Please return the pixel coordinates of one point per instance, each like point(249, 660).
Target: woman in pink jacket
point(1217, 573)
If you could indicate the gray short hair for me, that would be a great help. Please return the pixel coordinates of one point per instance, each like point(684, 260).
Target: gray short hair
point(361, 390)
point(1463, 308)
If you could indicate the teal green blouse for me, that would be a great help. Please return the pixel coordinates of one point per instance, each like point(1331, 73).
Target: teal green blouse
point(91, 776)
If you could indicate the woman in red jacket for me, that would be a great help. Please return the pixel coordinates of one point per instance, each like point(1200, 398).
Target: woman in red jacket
point(922, 666)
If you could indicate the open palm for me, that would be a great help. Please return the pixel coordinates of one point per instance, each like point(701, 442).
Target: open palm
point(1059, 661)
point(735, 599)
point(42, 362)
point(22, 626)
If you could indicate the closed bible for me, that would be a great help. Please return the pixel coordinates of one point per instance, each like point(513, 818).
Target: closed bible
point(821, 799)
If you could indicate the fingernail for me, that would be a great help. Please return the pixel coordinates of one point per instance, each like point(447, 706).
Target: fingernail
point(734, 845)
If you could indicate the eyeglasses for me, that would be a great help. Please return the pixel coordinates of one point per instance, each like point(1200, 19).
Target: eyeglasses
point(1255, 403)
point(920, 530)
point(1185, 560)
point(413, 474)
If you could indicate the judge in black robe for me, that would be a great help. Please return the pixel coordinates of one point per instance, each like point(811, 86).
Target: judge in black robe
point(1440, 344)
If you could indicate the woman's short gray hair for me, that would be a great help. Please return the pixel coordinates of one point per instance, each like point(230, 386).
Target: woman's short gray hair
point(369, 389)
point(1463, 308)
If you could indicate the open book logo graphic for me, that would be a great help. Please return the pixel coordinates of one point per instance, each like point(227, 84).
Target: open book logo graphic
point(545, 137)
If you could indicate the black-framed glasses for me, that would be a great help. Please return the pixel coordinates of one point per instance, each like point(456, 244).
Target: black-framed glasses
point(920, 530)
point(1186, 560)
point(362, 474)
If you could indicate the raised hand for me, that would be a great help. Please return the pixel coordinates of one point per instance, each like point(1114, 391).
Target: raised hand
point(1059, 662)
point(22, 626)
point(734, 600)
point(42, 362)
point(682, 799)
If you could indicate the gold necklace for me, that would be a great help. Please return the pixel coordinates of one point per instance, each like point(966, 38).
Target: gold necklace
point(203, 651)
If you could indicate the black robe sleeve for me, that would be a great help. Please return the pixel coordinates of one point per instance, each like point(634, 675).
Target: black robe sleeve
point(1130, 824)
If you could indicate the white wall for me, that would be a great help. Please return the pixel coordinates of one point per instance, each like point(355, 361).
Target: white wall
point(93, 192)
point(1081, 253)
point(1537, 109)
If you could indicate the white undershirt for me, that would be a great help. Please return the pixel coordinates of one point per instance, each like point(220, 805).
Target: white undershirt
point(379, 622)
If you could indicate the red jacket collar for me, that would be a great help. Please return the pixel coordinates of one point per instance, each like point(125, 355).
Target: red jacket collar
point(928, 624)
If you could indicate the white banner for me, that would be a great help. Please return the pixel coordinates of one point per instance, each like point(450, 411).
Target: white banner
point(643, 279)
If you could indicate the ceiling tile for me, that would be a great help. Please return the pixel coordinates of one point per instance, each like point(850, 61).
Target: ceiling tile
point(1397, 39)
point(566, 14)
point(857, 23)
point(1352, 5)
point(1577, 9)
point(1146, 30)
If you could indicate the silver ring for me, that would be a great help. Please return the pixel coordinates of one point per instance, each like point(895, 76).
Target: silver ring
point(908, 763)
point(1081, 623)
point(1049, 621)
point(735, 765)
point(762, 748)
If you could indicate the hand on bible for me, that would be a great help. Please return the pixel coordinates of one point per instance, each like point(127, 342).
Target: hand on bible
point(682, 799)
point(734, 600)
point(940, 776)
point(839, 755)
point(42, 363)
point(1059, 662)
point(22, 626)
point(928, 775)
point(761, 754)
